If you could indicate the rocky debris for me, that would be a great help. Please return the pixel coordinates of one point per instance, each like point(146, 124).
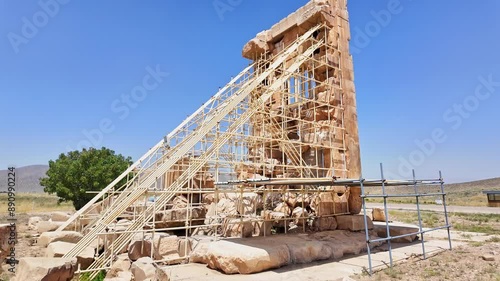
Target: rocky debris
point(46, 226)
point(275, 218)
point(143, 269)
point(258, 254)
point(238, 227)
point(119, 270)
point(378, 214)
point(246, 203)
point(488, 257)
point(164, 247)
point(161, 274)
point(397, 231)
point(177, 217)
point(283, 208)
point(325, 223)
point(65, 236)
point(59, 249)
point(300, 216)
point(59, 216)
point(329, 203)
point(57, 269)
point(6, 232)
point(120, 276)
point(353, 222)
point(262, 228)
point(32, 222)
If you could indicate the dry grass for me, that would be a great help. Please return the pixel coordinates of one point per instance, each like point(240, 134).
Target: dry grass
point(463, 263)
point(482, 223)
point(458, 194)
point(35, 202)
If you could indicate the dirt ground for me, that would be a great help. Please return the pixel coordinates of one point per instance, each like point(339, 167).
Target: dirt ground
point(26, 246)
point(462, 263)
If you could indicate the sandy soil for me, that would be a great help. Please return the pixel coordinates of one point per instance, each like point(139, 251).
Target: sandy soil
point(463, 263)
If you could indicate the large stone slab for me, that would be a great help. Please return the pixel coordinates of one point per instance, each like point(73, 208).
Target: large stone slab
point(257, 254)
point(143, 269)
point(65, 236)
point(7, 232)
point(353, 222)
point(46, 269)
point(46, 226)
point(60, 248)
point(244, 257)
point(60, 216)
point(163, 245)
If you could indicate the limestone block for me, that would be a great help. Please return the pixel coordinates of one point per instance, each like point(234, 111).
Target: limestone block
point(396, 231)
point(242, 258)
point(59, 249)
point(60, 216)
point(33, 221)
point(378, 214)
point(300, 216)
point(143, 269)
point(162, 245)
point(326, 223)
point(57, 269)
point(238, 228)
point(65, 236)
point(6, 232)
point(283, 208)
point(46, 226)
point(262, 228)
point(353, 222)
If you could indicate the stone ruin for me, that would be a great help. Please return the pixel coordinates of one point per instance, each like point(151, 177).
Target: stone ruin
point(271, 153)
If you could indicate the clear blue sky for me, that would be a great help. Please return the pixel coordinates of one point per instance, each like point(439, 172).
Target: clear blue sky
point(71, 70)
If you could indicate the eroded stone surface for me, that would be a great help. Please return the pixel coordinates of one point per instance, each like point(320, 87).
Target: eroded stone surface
point(65, 236)
point(258, 254)
point(49, 269)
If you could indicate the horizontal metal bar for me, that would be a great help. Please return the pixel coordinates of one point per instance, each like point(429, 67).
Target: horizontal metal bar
point(408, 234)
point(402, 195)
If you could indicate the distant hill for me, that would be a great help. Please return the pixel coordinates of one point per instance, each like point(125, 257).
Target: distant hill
point(27, 178)
point(463, 194)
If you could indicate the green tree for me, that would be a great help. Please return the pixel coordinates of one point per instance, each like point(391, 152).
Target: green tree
point(76, 172)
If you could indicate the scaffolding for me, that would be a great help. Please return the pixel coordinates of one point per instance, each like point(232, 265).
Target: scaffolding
point(271, 133)
point(277, 145)
point(383, 182)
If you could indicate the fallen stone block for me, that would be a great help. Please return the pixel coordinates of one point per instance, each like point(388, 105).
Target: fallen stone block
point(255, 255)
point(49, 269)
point(7, 233)
point(119, 270)
point(327, 223)
point(120, 276)
point(65, 236)
point(378, 214)
point(396, 231)
point(143, 269)
point(162, 245)
point(59, 249)
point(59, 216)
point(33, 221)
point(353, 222)
point(238, 228)
point(46, 226)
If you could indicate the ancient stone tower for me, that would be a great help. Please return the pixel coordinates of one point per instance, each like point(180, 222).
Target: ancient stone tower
point(276, 148)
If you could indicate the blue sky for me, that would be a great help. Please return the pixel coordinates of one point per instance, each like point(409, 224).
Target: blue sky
point(421, 68)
